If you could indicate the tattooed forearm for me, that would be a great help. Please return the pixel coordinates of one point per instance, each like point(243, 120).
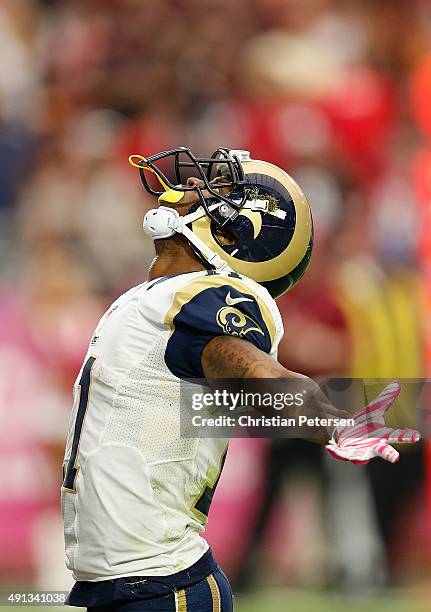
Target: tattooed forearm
point(230, 357)
point(227, 359)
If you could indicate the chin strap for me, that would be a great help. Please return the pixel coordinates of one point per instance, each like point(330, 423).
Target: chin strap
point(211, 256)
point(164, 222)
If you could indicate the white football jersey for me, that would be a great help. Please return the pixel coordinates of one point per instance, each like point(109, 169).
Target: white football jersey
point(136, 494)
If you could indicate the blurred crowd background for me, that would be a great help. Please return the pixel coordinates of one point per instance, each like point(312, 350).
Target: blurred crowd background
point(337, 92)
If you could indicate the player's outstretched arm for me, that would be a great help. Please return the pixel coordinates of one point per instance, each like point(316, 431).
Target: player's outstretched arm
point(230, 357)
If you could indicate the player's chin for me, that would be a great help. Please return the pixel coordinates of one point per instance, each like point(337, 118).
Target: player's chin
point(190, 197)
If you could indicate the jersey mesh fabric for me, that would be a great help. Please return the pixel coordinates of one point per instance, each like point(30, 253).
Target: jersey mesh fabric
point(146, 411)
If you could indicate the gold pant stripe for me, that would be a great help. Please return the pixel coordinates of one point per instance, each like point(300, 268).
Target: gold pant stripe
point(215, 593)
point(181, 601)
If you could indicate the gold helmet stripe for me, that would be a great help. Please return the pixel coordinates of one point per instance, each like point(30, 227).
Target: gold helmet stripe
point(294, 252)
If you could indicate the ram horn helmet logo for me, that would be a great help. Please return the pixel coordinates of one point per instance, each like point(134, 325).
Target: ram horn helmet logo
point(255, 218)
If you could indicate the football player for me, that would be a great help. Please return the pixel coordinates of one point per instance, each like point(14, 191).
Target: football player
point(229, 238)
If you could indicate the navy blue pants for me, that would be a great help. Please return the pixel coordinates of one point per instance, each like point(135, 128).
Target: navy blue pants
point(201, 588)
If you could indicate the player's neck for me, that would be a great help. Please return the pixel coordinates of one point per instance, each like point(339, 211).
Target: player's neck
point(173, 258)
point(169, 266)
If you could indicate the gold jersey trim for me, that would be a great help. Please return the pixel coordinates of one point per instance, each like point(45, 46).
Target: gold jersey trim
point(196, 286)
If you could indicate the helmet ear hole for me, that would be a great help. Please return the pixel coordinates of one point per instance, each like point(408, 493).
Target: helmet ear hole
point(223, 236)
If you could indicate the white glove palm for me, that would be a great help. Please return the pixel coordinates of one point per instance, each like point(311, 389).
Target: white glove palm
point(370, 436)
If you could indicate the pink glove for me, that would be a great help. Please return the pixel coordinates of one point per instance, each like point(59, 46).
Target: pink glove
point(370, 437)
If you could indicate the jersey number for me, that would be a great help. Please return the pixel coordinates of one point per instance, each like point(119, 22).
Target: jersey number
point(71, 467)
point(201, 506)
